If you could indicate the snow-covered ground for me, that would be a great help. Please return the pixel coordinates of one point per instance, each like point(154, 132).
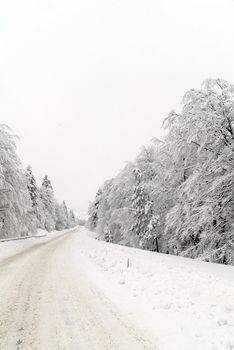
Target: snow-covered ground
point(15, 246)
point(80, 293)
point(181, 303)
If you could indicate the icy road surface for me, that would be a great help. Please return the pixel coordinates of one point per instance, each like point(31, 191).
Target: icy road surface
point(68, 291)
point(47, 303)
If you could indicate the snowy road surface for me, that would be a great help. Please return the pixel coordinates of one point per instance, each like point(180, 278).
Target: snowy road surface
point(46, 303)
point(68, 291)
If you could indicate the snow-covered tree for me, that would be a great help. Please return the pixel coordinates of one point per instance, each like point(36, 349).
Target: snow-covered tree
point(39, 211)
point(201, 222)
point(187, 179)
point(145, 225)
point(47, 183)
point(72, 221)
point(108, 235)
point(14, 199)
point(93, 211)
point(32, 186)
point(61, 218)
point(49, 204)
point(37, 214)
point(24, 207)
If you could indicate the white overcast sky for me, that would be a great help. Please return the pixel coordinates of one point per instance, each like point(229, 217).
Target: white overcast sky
point(85, 83)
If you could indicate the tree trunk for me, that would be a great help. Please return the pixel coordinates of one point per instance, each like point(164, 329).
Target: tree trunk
point(156, 245)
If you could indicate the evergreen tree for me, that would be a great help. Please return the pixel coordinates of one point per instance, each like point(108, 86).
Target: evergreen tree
point(47, 183)
point(49, 203)
point(93, 211)
point(71, 219)
point(66, 214)
point(32, 186)
point(24, 207)
point(62, 220)
point(108, 235)
point(40, 213)
point(145, 222)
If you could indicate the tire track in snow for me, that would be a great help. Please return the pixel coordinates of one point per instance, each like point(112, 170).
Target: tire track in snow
point(44, 304)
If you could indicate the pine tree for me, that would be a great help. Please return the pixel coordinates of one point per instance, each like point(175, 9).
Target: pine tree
point(49, 203)
point(93, 210)
point(32, 186)
point(47, 183)
point(66, 214)
point(71, 219)
point(108, 235)
point(145, 221)
point(62, 219)
point(40, 212)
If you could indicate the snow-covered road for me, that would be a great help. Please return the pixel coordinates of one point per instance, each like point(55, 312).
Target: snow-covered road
point(46, 302)
point(69, 291)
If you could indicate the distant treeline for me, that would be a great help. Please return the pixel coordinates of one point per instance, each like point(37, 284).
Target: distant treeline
point(25, 206)
point(177, 197)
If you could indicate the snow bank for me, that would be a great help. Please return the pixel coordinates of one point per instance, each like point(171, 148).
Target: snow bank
point(39, 233)
point(181, 303)
point(14, 246)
